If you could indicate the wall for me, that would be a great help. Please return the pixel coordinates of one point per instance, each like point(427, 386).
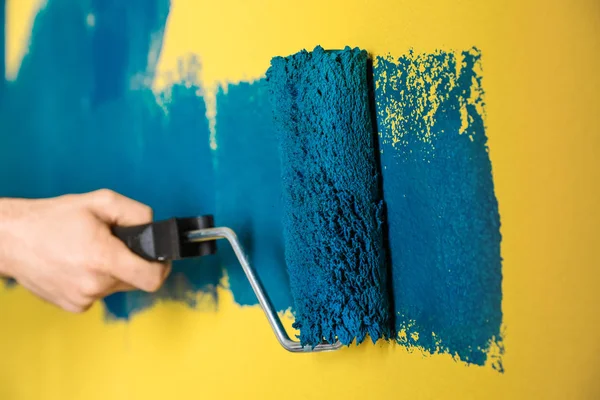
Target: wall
point(201, 336)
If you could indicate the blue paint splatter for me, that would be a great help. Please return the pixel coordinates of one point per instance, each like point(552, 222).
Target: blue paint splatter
point(444, 226)
point(81, 116)
point(332, 198)
point(249, 191)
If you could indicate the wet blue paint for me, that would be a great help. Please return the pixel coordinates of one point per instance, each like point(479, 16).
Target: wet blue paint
point(444, 225)
point(249, 190)
point(81, 116)
point(332, 200)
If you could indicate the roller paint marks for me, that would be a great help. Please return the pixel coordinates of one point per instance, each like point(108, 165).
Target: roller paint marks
point(179, 180)
point(82, 117)
point(444, 225)
point(249, 190)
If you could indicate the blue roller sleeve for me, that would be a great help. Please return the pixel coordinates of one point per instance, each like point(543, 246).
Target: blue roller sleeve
point(332, 199)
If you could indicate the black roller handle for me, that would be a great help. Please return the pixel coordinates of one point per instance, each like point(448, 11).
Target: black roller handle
point(166, 240)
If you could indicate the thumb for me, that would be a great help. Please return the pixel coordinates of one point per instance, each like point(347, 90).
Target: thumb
point(116, 209)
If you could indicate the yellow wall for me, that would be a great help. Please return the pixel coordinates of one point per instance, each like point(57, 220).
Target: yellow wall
point(541, 62)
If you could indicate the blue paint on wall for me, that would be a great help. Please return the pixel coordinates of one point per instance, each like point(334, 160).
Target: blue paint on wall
point(81, 116)
point(249, 190)
point(444, 226)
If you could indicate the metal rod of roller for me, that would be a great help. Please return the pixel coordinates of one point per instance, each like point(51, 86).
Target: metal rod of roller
point(207, 234)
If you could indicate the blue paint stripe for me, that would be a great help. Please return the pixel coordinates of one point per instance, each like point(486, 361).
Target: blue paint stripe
point(444, 225)
point(249, 190)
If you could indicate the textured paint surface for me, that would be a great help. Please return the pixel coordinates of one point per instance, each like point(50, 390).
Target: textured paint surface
point(249, 190)
point(332, 201)
point(81, 117)
point(444, 227)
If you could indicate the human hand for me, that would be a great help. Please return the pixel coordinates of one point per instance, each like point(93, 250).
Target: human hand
point(62, 248)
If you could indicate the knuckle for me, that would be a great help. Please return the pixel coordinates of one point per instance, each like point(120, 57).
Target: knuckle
point(93, 262)
point(106, 196)
point(90, 286)
point(68, 197)
point(147, 212)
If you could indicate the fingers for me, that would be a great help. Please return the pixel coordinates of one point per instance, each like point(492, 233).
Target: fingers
point(81, 262)
point(116, 209)
point(121, 286)
point(66, 304)
point(133, 270)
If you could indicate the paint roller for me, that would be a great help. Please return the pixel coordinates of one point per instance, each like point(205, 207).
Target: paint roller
point(333, 213)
